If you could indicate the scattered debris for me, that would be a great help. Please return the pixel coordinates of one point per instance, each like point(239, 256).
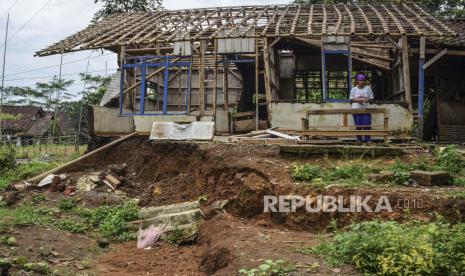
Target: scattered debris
point(113, 181)
point(146, 238)
point(436, 178)
point(281, 135)
point(86, 183)
point(382, 176)
point(103, 243)
point(219, 204)
point(181, 220)
point(46, 181)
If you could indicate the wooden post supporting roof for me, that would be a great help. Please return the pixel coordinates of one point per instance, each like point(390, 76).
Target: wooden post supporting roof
point(256, 87)
point(226, 86)
point(421, 86)
point(266, 63)
point(215, 78)
point(203, 48)
point(406, 73)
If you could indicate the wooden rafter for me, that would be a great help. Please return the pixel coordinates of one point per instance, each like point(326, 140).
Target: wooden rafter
point(323, 24)
point(431, 27)
point(352, 20)
point(406, 18)
point(381, 19)
point(339, 19)
point(310, 20)
point(367, 22)
point(281, 19)
point(295, 20)
point(273, 18)
point(394, 18)
point(144, 29)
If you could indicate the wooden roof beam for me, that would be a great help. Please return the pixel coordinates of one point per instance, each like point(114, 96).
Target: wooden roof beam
point(281, 19)
point(295, 20)
point(381, 19)
point(423, 20)
point(395, 19)
point(406, 18)
point(310, 21)
point(352, 20)
point(365, 18)
point(270, 21)
point(339, 20)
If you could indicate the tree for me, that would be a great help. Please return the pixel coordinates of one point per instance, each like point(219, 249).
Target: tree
point(111, 7)
point(16, 95)
point(95, 88)
point(441, 8)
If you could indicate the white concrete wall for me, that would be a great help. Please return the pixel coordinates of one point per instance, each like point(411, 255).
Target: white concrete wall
point(288, 115)
point(107, 121)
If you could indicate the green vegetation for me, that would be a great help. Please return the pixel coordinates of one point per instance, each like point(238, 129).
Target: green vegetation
point(269, 268)
point(447, 159)
point(110, 222)
point(351, 174)
point(9, 173)
point(7, 159)
point(391, 248)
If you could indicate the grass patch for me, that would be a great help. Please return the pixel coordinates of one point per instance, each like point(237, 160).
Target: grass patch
point(10, 173)
point(351, 174)
point(110, 222)
point(391, 248)
point(269, 268)
point(447, 159)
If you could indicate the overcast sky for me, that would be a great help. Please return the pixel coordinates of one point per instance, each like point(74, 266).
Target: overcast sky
point(35, 24)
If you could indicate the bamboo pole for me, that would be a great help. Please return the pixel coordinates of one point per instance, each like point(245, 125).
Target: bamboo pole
point(64, 166)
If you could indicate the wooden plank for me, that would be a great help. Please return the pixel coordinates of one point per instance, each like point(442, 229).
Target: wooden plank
point(203, 48)
point(345, 111)
point(243, 114)
point(215, 78)
point(257, 99)
point(281, 135)
point(435, 58)
point(226, 87)
point(344, 133)
point(68, 164)
point(406, 73)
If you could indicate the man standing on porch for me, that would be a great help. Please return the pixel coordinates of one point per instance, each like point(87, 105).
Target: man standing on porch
point(360, 96)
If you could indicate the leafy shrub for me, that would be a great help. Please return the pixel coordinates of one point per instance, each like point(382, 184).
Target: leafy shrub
point(72, 225)
point(449, 159)
point(7, 158)
point(66, 205)
point(305, 172)
point(112, 221)
point(399, 249)
point(352, 172)
point(269, 268)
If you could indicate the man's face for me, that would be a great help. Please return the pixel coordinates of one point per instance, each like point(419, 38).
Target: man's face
point(361, 82)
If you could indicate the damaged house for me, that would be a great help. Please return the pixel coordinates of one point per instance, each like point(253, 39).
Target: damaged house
point(285, 66)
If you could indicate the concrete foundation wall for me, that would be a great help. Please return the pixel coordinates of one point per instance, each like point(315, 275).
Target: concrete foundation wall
point(106, 121)
point(288, 115)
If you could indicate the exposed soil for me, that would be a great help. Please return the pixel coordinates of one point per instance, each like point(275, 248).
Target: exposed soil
point(244, 236)
point(66, 253)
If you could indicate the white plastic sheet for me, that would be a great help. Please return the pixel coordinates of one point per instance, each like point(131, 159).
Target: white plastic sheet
point(175, 131)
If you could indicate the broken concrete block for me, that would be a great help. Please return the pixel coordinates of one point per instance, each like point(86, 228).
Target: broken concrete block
point(150, 212)
point(112, 180)
point(94, 178)
point(219, 204)
point(382, 176)
point(85, 184)
point(46, 181)
point(436, 178)
point(180, 221)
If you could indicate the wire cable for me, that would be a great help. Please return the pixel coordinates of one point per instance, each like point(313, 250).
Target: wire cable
point(53, 66)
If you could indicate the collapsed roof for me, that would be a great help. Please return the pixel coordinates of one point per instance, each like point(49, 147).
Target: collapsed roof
point(145, 29)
